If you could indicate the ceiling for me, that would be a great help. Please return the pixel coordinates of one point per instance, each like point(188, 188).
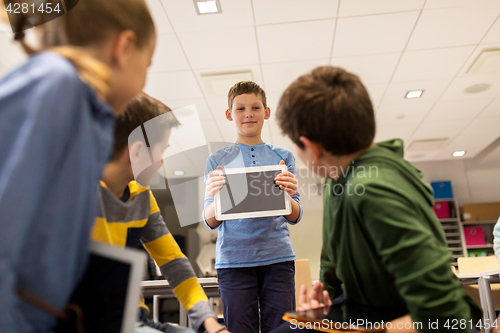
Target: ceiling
point(393, 45)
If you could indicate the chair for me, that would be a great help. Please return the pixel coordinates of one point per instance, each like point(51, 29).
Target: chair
point(302, 276)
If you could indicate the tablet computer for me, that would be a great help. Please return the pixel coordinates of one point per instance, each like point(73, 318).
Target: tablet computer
point(251, 192)
point(109, 291)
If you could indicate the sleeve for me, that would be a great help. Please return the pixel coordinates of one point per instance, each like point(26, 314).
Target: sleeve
point(37, 125)
point(327, 267)
point(209, 167)
point(175, 266)
point(411, 253)
point(290, 164)
point(496, 239)
point(327, 274)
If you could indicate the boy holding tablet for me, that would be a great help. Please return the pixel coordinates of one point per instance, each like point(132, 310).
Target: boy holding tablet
point(382, 242)
point(254, 256)
point(128, 212)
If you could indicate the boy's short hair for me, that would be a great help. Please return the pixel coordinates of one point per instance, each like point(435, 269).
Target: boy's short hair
point(245, 87)
point(329, 106)
point(140, 110)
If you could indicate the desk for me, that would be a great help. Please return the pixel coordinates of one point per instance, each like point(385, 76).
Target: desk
point(161, 289)
point(484, 280)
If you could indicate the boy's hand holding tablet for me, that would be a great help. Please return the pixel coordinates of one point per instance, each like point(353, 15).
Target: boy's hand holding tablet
point(287, 181)
point(215, 182)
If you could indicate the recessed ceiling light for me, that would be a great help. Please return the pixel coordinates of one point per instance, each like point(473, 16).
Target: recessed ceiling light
point(475, 88)
point(414, 93)
point(207, 7)
point(179, 173)
point(458, 153)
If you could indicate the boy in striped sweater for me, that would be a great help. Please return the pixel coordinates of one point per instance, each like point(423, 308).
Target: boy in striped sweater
point(128, 212)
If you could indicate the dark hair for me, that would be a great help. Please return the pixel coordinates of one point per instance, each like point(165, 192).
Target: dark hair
point(329, 106)
point(140, 110)
point(245, 87)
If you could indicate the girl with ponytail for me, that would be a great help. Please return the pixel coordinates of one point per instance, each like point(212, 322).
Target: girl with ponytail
point(57, 115)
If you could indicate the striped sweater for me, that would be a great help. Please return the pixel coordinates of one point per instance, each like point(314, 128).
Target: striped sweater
point(138, 219)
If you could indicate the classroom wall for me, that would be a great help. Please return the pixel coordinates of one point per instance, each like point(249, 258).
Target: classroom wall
point(469, 185)
point(306, 238)
point(169, 213)
point(473, 180)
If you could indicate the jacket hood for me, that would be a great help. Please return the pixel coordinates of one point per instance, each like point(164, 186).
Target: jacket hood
point(391, 152)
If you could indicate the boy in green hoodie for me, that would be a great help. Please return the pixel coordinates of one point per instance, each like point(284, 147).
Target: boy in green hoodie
point(383, 245)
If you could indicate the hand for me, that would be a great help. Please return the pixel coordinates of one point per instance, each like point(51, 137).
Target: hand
point(287, 181)
point(317, 298)
point(215, 182)
point(211, 326)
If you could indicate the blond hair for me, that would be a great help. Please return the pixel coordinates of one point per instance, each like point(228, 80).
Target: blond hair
point(90, 70)
point(89, 23)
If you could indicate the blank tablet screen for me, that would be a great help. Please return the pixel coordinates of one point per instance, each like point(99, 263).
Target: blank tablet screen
point(251, 192)
point(102, 295)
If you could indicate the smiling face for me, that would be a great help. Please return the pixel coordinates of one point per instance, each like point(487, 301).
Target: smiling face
point(248, 113)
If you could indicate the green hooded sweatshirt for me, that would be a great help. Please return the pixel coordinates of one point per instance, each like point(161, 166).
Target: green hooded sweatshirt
point(383, 244)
